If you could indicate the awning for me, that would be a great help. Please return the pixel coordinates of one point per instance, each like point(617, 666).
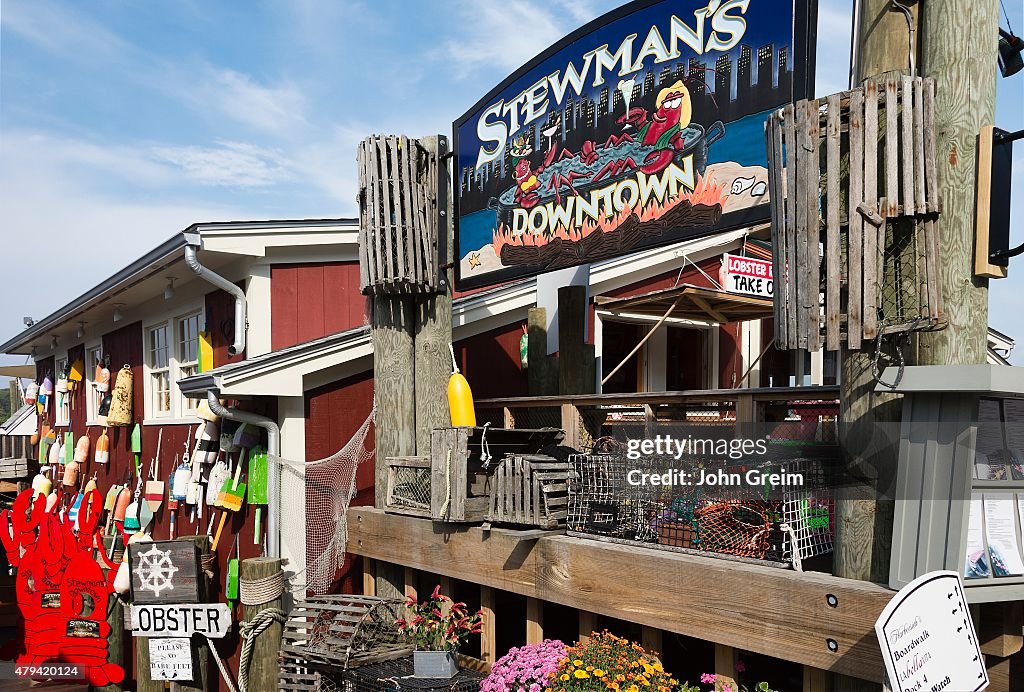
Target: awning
point(28, 371)
point(692, 303)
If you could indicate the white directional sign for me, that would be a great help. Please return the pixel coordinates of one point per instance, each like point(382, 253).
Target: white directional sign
point(928, 639)
point(181, 620)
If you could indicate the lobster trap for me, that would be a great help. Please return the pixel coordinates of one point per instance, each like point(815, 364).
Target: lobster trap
point(729, 519)
point(399, 215)
point(408, 486)
point(855, 203)
point(530, 489)
point(344, 631)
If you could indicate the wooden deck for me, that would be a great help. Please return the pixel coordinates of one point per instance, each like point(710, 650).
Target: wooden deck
point(767, 610)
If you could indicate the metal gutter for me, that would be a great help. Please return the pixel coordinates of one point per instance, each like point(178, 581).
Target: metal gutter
point(273, 469)
point(194, 243)
point(120, 281)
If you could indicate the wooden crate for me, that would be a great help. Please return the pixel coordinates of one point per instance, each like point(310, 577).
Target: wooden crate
point(408, 486)
point(530, 489)
point(463, 461)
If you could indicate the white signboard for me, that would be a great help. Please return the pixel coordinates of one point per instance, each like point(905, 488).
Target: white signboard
point(170, 659)
point(928, 640)
point(181, 620)
point(747, 275)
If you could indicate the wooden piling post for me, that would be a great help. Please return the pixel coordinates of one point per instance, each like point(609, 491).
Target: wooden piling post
point(541, 379)
point(588, 624)
point(393, 384)
point(488, 648)
point(573, 377)
point(263, 665)
point(534, 621)
point(433, 329)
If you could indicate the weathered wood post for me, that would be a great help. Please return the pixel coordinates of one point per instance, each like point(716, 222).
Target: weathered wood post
point(256, 580)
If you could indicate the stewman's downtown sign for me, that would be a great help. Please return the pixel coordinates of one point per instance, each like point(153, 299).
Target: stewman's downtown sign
point(643, 128)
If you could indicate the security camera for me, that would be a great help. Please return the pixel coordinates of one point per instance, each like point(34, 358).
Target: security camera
point(28, 321)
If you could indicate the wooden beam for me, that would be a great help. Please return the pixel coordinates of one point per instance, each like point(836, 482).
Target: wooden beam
point(410, 584)
point(763, 609)
point(982, 266)
point(369, 577)
point(815, 680)
point(588, 625)
point(651, 639)
point(488, 647)
point(706, 307)
point(571, 425)
point(1001, 628)
point(725, 668)
point(534, 621)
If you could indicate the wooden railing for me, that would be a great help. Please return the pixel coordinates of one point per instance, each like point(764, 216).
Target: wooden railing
point(795, 412)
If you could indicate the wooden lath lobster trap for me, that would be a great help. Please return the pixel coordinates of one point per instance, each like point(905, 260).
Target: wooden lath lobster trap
point(855, 203)
point(398, 215)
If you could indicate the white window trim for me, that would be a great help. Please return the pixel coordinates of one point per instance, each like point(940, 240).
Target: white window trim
point(90, 378)
point(54, 405)
point(170, 318)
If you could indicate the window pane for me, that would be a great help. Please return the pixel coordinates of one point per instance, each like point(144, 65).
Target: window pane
point(158, 347)
point(186, 403)
point(188, 339)
point(161, 392)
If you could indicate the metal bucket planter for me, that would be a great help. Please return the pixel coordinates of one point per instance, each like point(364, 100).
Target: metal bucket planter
point(434, 664)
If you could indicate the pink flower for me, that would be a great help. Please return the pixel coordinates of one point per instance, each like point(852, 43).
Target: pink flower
point(708, 678)
point(740, 666)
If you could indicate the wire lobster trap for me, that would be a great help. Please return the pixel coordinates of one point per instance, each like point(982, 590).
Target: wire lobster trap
point(340, 631)
point(734, 518)
point(855, 203)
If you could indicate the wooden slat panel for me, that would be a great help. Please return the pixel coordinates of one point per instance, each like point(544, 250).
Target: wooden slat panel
point(397, 221)
point(780, 613)
point(919, 186)
point(801, 144)
point(892, 166)
point(870, 237)
point(812, 266)
point(364, 254)
point(415, 210)
point(790, 146)
point(380, 214)
point(832, 249)
point(856, 222)
point(773, 137)
point(907, 142)
point(934, 200)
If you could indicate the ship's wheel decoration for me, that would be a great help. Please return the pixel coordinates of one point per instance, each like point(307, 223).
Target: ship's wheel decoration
point(156, 571)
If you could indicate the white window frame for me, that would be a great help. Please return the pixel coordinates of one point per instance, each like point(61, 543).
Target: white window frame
point(60, 421)
point(171, 320)
point(92, 398)
point(186, 406)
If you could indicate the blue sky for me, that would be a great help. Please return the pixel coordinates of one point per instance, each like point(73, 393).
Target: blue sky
point(123, 121)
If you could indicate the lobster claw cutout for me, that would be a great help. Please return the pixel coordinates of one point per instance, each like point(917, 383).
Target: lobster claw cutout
point(61, 590)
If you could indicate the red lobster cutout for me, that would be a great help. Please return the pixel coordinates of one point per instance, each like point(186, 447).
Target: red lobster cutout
point(61, 591)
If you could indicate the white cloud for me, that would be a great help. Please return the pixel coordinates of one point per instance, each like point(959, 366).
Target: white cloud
point(232, 164)
point(501, 33)
point(273, 108)
point(61, 30)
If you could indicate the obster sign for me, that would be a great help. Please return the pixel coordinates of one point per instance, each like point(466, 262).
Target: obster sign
point(643, 128)
point(747, 275)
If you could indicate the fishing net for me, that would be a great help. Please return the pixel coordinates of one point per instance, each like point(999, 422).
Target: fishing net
point(314, 498)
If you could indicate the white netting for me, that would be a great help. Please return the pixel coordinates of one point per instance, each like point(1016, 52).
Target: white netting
point(314, 498)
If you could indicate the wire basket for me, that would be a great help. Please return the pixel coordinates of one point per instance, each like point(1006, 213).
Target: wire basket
point(782, 525)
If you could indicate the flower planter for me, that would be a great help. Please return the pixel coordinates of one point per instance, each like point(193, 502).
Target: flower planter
point(434, 664)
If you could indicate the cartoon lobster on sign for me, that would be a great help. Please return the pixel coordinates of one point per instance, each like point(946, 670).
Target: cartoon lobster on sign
point(662, 129)
point(61, 590)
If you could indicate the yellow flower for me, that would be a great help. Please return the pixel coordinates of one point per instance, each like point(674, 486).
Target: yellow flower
point(580, 674)
point(577, 662)
point(632, 688)
point(564, 677)
point(598, 673)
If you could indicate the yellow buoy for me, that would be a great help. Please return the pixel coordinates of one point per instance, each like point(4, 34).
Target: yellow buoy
point(460, 397)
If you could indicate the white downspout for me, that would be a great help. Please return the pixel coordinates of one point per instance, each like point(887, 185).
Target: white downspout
point(273, 469)
point(192, 244)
